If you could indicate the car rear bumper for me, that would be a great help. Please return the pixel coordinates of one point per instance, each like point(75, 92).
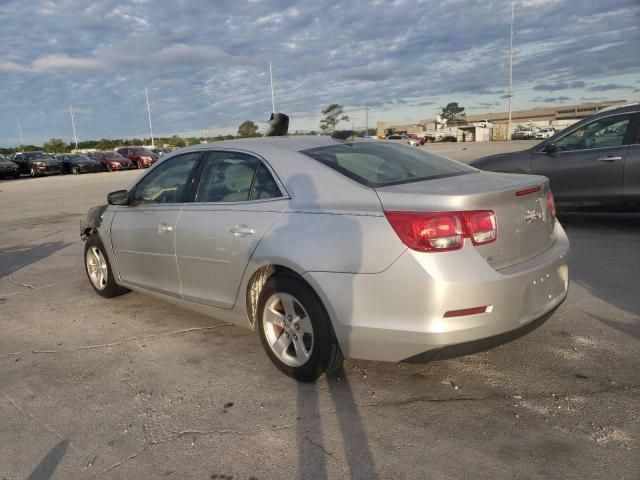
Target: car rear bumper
point(400, 313)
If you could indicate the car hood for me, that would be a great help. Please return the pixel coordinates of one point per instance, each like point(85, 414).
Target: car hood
point(8, 163)
point(512, 162)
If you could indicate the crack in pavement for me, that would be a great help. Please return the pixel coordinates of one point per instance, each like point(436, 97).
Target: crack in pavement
point(178, 435)
point(119, 342)
point(518, 396)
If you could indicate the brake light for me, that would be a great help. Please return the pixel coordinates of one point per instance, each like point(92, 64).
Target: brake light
point(527, 191)
point(481, 226)
point(551, 204)
point(443, 231)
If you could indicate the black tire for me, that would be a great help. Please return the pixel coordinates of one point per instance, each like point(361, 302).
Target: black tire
point(16, 174)
point(326, 356)
point(75, 170)
point(111, 288)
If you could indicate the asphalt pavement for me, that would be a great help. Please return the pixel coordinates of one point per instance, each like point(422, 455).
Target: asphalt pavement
point(135, 388)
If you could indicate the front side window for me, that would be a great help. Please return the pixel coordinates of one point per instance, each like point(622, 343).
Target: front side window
point(169, 182)
point(377, 164)
point(601, 133)
point(235, 177)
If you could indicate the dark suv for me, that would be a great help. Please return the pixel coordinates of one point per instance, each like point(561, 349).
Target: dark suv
point(140, 156)
point(37, 163)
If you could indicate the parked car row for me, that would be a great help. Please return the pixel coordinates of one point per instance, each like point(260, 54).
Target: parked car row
point(38, 164)
point(530, 133)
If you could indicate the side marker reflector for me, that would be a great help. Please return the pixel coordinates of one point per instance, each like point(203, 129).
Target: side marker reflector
point(468, 311)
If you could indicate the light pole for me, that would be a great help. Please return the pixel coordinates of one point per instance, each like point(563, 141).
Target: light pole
point(273, 96)
point(73, 125)
point(146, 91)
point(20, 131)
point(510, 93)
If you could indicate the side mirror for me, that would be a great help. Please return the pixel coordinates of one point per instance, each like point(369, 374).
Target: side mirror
point(119, 197)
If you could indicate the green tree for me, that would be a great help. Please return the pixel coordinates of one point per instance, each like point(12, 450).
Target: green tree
point(177, 141)
point(454, 114)
point(54, 145)
point(248, 129)
point(333, 115)
point(105, 144)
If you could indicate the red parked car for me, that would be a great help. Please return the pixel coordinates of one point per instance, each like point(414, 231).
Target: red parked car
point(140, 156)
point(112, 161)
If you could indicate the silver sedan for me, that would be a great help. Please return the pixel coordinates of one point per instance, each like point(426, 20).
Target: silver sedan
point(332, 249)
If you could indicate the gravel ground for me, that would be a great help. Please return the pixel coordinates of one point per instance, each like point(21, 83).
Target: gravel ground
point(134, 388)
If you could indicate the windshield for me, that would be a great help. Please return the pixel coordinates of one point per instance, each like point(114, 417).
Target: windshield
point(377, 164)
point(141, 151)
point(37, 155)
point(113, 156)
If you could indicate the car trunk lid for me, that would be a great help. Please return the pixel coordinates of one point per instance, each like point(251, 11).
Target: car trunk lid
point(524, 223)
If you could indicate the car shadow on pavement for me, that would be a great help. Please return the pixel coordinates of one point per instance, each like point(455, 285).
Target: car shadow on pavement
point(605, 256)
point(13, 259)
point(630, 329)
point(47, 466)
point(312, 452)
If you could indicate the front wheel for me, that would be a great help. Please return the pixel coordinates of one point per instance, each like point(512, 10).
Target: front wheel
point(33, 172)
point(295, 329)
point(75, 170)
point(98, 269)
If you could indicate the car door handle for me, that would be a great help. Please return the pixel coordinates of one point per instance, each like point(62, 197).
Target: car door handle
point(163, 228)
point(610, 158)
point(240, 230)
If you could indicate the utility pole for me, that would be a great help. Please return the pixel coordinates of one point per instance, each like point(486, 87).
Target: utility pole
point(73, 125)
point(20, 131)
point(206, 139)
point(146, 91)
point(510, 92)
point(273, 97)
point(366, 120)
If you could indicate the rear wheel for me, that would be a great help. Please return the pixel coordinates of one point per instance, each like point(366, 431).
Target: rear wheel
point(98, 269)
point(295, 329)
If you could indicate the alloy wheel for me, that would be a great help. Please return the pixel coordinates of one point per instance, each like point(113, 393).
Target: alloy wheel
point(288, 329)
point(97, 268)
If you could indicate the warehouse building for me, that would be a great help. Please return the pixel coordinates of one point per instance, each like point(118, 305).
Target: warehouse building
point(558, 117)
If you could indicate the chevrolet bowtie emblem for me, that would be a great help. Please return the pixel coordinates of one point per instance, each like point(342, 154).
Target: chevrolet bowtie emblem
point(532, 215)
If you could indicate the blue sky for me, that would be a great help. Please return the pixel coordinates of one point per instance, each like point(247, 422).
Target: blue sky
point(205, 63)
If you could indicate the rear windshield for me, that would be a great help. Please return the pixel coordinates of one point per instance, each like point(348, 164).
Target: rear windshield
point(377, 164)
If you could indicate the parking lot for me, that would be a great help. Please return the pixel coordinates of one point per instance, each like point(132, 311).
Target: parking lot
point(134, 388)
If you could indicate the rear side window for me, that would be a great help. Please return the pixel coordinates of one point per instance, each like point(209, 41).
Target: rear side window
point(377, 164)
point(235, 177)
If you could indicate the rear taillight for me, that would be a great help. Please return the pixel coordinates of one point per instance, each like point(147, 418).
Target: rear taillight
point(551, 204)
point(443, 231)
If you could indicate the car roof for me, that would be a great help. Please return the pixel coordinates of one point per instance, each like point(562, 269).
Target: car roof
point(293, 143)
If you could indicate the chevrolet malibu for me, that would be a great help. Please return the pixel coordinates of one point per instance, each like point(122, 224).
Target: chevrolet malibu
point(332, 249)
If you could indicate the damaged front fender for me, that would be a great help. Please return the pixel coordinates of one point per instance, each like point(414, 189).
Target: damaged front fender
point(92, 221)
